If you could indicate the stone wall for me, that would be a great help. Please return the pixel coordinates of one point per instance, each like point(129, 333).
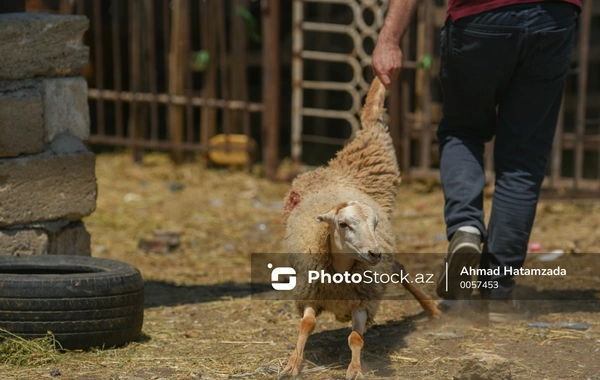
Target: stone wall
point(47, 178)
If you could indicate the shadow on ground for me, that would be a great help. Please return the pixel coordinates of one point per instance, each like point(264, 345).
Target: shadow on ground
point(158, 293)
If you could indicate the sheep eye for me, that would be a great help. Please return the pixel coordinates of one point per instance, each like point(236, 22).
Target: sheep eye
point(343, 224)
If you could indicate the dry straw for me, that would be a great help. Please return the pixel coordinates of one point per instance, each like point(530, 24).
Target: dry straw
point(15, 350)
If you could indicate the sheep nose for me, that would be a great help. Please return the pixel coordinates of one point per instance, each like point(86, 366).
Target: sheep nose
point(374, 254)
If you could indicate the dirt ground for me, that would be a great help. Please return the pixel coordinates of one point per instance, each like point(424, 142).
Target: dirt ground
point(201, 323)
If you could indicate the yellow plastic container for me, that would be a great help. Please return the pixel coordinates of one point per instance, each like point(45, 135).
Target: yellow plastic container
point(239, 145)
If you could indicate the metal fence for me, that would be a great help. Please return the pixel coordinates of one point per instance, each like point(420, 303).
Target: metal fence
point(414, 105)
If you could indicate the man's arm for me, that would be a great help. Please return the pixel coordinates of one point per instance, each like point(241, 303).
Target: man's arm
point(387, 56)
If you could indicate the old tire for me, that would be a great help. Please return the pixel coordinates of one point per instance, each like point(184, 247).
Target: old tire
point(84, 301)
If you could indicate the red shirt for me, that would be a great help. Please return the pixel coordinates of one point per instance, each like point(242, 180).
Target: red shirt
point(463, 8)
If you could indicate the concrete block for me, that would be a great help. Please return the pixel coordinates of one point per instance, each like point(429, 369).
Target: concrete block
point(21, 122)
point(66, 107)
point(35, 44)
point(73, 239)
point(46, 239)
point(23, 242)
point(47, 186)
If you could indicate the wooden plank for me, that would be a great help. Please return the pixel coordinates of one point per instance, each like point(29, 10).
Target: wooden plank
point(237, 41)
point(584, 44)
point(271, 84)
point(177, 60)
point(593, 101)
point(425, 146)
point(65, 7)
point(208, 115)
point(242, 77)
point(557, 147)
point(152, 71)
point(396, 115)
point(405, 92)
point(223, 63)
point(135, 80)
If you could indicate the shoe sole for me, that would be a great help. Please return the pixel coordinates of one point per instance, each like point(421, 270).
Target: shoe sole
point(470, 256)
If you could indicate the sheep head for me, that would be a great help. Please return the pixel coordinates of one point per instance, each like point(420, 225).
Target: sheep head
point(352, 230)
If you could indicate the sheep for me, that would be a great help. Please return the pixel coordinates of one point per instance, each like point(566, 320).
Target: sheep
point(338, 219)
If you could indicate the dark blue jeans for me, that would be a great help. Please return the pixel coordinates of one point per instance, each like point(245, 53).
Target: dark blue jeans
point(502, 75)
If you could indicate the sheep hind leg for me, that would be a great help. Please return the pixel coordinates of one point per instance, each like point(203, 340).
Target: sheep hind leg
point(356, 342)
point(307, 326)
point(427, 304)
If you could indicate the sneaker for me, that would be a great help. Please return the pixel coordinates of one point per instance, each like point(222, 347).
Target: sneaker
point(464, 251)
point(506, 310)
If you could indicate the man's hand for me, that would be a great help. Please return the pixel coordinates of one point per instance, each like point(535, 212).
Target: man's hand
point(387, 56)
point(387, 62)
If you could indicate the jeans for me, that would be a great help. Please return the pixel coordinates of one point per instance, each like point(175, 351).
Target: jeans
point(502, 75)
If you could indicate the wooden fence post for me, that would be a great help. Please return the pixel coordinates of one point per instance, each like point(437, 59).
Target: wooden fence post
point(177, 59)
point(271, 91)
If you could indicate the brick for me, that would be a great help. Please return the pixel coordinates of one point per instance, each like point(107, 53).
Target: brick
point(23, 242)
point(47, 186)
point(65, 107)
point(21, 122)
point(41, 45)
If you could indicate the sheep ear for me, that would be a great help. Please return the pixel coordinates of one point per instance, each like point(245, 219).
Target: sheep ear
point(328, 217)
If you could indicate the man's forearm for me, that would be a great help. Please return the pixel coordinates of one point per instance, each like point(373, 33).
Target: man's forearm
point(397, 20)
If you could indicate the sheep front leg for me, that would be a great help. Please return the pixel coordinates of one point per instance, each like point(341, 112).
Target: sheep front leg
point(307, 326)
point(356, 342)
point(427, 304)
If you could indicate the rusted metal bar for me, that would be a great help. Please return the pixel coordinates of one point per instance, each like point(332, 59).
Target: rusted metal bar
point(332, 114)
point(271, 82)
point(179, 100)
point(99, 69)
point(117, 77)
point(158, 144)
point(324, 140)
point(584, 49)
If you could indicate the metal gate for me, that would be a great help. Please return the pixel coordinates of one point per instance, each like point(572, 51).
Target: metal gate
point(357, 29)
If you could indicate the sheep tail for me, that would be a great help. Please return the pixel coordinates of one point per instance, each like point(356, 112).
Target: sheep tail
point(373, 109)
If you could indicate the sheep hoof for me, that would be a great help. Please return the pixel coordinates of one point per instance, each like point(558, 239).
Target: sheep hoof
point(435, 313)
point(354, 373)
point(291, 369)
